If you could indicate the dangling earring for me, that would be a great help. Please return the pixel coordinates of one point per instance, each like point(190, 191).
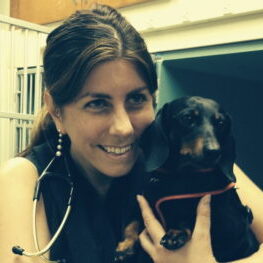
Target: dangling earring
point(59, 146)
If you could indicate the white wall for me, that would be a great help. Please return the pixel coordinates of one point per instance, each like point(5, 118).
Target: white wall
point(5, 7)
point(163, 13)
point(178, 24)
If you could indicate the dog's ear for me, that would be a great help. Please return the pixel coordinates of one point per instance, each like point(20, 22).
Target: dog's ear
point(154, 142)
point(229, 156)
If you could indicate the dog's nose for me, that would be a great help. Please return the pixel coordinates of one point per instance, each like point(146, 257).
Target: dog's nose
point(211, 154)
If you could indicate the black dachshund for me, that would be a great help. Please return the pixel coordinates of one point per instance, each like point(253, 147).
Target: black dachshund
point(189, 152)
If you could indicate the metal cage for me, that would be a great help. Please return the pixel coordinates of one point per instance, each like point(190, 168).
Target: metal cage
point(21, 83)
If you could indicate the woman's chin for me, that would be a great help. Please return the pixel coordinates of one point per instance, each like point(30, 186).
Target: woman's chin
point(118, 171)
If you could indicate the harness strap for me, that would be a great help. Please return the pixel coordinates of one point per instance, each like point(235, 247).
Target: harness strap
point(185, 196)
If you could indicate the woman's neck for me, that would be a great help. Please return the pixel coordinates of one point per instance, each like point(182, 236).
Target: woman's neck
point(99, 181)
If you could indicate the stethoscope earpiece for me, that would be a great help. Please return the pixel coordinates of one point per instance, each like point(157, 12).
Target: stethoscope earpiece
point(17, 250)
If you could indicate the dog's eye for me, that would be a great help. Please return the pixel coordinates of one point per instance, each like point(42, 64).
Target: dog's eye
point(187, 119)
point(220, 123)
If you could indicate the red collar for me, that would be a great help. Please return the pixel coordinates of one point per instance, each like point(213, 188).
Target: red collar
point(193, 195)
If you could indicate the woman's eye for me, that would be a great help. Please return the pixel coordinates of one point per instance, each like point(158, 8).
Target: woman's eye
point(137, 99)
point(96, 105)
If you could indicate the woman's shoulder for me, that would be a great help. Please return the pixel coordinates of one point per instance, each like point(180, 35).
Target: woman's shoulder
point(17, 183)
point(16, 170)
point(18, 164)
point(32, 164)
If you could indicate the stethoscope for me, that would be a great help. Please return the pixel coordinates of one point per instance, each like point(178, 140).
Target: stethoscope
point(40, 252)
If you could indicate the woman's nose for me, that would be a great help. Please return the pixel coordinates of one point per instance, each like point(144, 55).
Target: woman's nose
point(121, 124)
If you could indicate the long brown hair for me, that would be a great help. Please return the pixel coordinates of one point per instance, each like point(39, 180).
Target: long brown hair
point(84, 40)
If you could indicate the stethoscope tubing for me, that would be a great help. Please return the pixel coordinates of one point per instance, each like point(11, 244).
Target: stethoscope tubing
point(40, 252)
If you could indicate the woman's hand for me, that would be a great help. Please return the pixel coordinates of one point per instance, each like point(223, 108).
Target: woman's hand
point(197, 249)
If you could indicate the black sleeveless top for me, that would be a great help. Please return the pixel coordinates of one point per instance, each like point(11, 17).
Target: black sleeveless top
point(94, 226)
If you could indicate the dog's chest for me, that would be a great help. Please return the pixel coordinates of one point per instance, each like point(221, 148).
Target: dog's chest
point(161, 184)
point(174, 197)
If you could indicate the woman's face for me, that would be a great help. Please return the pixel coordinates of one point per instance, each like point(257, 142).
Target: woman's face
point(106, 119)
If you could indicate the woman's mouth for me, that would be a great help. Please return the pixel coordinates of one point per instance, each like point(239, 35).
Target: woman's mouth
point(116, 150)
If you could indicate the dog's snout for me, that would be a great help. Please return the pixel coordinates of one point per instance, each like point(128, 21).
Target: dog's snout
point(211, 154)
point(211, 149)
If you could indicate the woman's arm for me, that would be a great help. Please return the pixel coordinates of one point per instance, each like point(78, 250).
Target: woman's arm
point(17, 182)
point(251, 196)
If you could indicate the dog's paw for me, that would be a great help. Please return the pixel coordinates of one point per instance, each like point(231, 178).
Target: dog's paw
point(175, 239)
point(124, 256)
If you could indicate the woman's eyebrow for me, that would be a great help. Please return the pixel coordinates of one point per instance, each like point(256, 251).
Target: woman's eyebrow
point(107, 96)
point(94, 95)
point(138, 90)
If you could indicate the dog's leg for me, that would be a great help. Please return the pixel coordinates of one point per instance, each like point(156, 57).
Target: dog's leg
point(126, 248)
point(174, 239)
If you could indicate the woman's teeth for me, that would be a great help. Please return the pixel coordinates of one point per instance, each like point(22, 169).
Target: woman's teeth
point(116, 150)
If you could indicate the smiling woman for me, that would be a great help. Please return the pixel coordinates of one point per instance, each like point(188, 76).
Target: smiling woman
point(99, 98)
point(111, 115)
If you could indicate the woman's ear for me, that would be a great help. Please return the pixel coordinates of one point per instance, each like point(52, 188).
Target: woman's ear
point(54, 111)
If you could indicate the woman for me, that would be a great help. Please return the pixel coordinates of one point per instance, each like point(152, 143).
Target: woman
point(99, 99)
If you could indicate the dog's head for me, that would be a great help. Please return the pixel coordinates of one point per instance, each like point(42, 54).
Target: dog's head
point(190, 133)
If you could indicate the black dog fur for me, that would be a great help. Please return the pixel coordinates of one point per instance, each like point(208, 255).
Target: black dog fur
point(190, 151)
